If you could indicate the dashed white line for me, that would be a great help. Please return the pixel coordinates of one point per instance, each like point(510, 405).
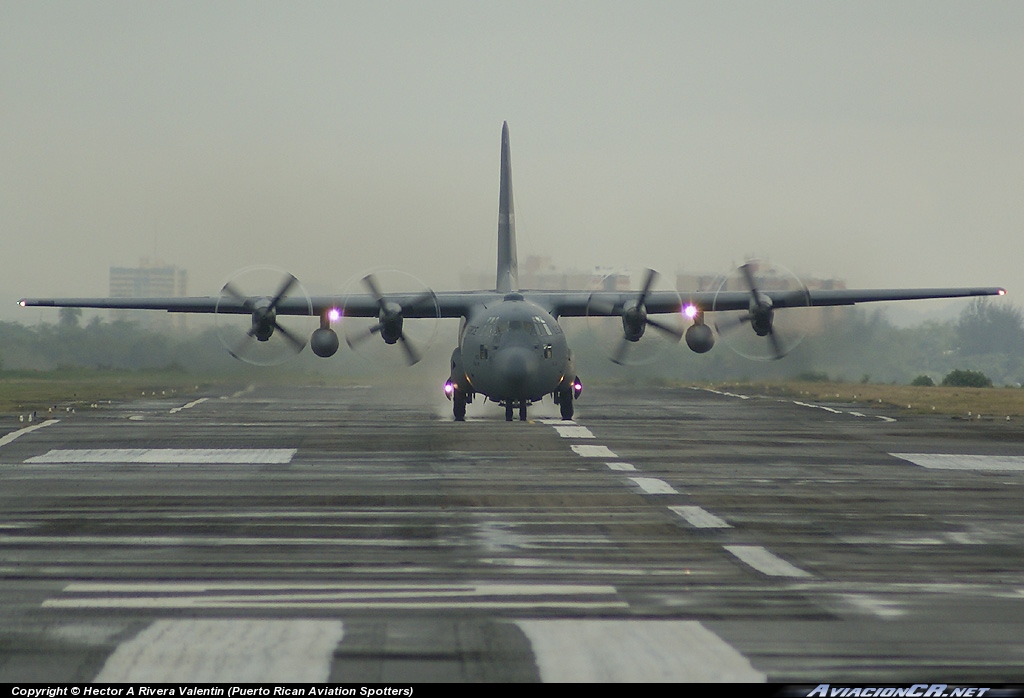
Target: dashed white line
point(765, 562)
point(588, 451)
point(699, 518)
point(652, 485)
point(574, 432)
point(622, 467)
point(8, 438)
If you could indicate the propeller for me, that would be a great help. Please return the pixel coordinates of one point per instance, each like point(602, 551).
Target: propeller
point(263, 340)
point(632, 312)
point(772, 335)
point(390, 319)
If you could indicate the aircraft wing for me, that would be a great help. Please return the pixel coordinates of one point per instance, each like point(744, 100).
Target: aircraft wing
point(455, 304)
point(610, 303)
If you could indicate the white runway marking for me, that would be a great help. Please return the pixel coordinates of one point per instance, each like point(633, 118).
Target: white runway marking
point(587, 451)
point(623, 467)
point(8, 438)
point(948, 461)
point(226, 651)
point(765, 562)
point(574, 432)
point(175, 410)
point(568, 422)
point(652, 485)
point(625, 651)
point(699, 518)
point(249, 456)
point(240, 595)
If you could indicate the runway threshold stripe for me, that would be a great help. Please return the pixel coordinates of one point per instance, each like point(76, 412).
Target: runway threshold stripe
point(949, 461)
point(626, 651)
point(8, 438)
point(224, 456)
point(765, 562)
point(226, 651)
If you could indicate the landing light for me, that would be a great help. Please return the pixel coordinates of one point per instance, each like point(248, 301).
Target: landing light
point(333, 315)
point(690, 310)
point(1002, 292)
point(577, 388)
point(449, 389)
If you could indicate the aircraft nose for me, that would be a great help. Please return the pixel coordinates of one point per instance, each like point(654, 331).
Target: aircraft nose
point(518, 368)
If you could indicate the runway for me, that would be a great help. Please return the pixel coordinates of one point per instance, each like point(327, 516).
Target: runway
point(358, 534)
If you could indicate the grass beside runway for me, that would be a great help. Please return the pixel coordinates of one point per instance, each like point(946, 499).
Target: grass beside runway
point(989, 403)
point(59, 391)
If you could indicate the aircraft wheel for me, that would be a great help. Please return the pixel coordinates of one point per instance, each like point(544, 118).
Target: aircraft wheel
point(509, 406)
point(522, 410)
point(565, 404)
point(459, 405)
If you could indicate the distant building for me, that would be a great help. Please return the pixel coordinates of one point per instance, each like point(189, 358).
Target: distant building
point(149, 280)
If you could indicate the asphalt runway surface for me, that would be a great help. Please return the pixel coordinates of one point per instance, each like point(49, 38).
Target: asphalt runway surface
point(360, 535)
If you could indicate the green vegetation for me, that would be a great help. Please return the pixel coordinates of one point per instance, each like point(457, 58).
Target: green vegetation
point(923, 380)
point(997, 403)
point(960, 378)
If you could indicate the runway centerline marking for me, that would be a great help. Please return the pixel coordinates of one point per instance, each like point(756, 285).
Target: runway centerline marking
point(226, 651)
point(247, 456)
point(951, 461)
point(621, 467)
point(766, 562)
point(634, 651)
point(653, 485)
point(699, 518)
point(589, 451)
point(8, 438)
point(574, 432)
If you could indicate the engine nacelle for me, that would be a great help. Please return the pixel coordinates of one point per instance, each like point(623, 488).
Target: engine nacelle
point(700, 338)
point(634, 321)
point(324, 342)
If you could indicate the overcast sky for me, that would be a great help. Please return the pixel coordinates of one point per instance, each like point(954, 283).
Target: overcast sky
point(879, 142)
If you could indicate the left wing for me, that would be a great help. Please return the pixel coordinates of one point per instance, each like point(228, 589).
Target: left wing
point(609, 303)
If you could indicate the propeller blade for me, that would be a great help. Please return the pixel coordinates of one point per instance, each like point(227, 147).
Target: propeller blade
point(360, 338)
point(648, 283)
point(619, 356)
point(230, 289)
point(410, 351)
point(776, 345)
point(371, 286)
point(667, 329)
point(286, 286)
point(748, 275)
point(297, 344)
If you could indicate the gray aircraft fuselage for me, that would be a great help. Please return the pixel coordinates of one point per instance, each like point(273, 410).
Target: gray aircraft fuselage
point(514, 350)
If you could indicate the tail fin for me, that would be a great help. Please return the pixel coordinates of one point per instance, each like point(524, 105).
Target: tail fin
point(508, 265)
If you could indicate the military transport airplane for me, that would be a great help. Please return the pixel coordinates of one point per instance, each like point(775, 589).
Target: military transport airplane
point(511, 349)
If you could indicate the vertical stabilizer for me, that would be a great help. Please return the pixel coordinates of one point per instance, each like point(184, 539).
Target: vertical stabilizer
point(508, 265)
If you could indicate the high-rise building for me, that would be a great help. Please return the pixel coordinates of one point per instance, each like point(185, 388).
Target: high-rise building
point(151, 279)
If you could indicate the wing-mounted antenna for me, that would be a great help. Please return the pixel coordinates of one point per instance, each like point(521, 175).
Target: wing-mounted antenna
point(508, 265)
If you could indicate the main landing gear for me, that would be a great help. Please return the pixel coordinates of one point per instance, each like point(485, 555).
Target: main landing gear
point(510, 407)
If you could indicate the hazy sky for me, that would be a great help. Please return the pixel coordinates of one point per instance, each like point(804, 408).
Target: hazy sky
point(880, 142)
